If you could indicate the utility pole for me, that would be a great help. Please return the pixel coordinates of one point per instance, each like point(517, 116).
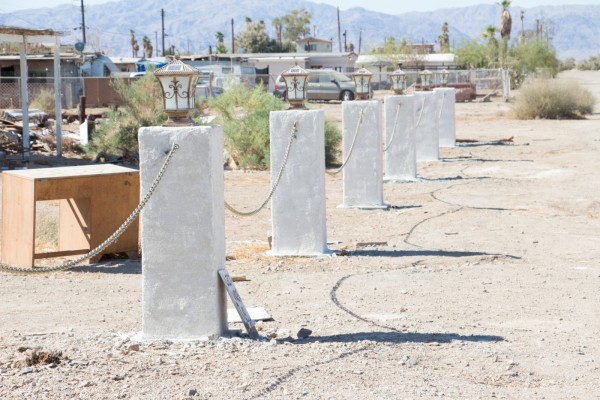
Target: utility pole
point(339, 30)
point(232, 38)
point(83, 21)
point(156, 42)
point(162, 16)
point(359, 40)
point(345, 42)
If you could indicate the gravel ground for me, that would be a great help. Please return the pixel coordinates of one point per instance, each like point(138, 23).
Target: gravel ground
point(480, 282)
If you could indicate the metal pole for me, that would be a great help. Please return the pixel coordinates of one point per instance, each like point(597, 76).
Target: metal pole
point(162, 16)
point(25, 99)
point(232, 38)
point(57, 97)
point(83, 21)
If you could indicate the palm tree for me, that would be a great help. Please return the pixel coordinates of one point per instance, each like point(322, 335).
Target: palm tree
point(134, 43)
point(505, 19)
point(147, 45)
point(490, 35)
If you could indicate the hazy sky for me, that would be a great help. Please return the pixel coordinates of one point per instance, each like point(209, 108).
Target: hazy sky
point(386, 6)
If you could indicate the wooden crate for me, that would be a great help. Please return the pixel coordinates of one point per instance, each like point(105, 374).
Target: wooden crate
point(94, 201)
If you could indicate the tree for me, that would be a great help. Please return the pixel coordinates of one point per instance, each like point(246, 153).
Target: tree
point(296, 23)
point(221, 49)
point(493, 47)
point(505, 20)
point(277, 24)
point(147, 45)
point(444, 39)
point(254, 38)
point(472, 54)
point(135, 47)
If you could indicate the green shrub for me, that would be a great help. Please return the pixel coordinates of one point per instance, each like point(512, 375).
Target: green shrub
point(244, 116)
point(553, 99)
point(141, 105)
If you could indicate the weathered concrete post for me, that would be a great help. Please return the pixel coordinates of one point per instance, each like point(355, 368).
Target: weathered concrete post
point(426, 126)
point(298, 203)
point(183, 235)
point(362, 172)
point(400, 142)
point(447, 117)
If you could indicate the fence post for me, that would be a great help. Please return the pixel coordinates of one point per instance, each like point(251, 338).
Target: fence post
point(400, 140)
point(298, 204)
point(362, 173)
point(183, 234)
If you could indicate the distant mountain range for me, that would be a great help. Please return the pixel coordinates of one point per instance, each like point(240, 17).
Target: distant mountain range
point(191, 26)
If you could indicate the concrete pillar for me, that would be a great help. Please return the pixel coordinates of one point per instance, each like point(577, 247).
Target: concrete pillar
point(447, 117)
point(426, 125)
point(183, 235)
point(298, 204)
point(401, 153)
point(362, 173)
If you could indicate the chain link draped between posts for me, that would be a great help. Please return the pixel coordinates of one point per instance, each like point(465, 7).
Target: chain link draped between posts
point(442, 105)
point(421, 113)
point(111, 239)
point(337, 171)
point(277, 180)
point(387, 146)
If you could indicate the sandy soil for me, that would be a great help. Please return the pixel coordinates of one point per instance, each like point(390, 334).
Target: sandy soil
point(481, 282)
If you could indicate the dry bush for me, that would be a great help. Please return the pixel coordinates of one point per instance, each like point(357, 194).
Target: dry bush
point(553, 99)
point(44, 100)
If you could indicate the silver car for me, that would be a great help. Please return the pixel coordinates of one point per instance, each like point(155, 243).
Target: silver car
point(323, 84)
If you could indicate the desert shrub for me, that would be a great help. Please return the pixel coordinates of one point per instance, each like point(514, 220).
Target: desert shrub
point(591, 64)
point(141, 105)
point(44, 100)
point(244, 116)
point(553, 99)
point(333, 137)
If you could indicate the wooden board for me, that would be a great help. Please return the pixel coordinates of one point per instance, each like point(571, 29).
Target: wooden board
point(238, 304)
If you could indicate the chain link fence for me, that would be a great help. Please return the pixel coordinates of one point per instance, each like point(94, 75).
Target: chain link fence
point(10, 90)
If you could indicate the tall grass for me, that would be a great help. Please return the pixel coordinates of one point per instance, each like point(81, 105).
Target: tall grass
point(553, 99)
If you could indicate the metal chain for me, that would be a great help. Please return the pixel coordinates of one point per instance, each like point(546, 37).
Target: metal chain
point(442, 105)
point(337, 171)
point(421, 114)
point(387, 146)
point(277, 180)
point(111, 239)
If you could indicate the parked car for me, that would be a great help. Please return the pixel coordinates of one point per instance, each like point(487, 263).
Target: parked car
point(323, 84)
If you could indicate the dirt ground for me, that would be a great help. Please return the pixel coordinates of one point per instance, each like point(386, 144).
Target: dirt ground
point(482, 281)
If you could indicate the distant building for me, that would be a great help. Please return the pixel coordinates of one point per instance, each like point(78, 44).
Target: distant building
point(313, 45)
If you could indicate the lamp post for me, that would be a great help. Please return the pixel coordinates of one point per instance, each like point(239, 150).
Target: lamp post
point(398, 81)
point(444, 77)
point(296, 79)
point(362, 83)
point(426, 80)
point(178, 83)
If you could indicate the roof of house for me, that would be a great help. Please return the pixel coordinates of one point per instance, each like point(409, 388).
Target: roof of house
point(312, 39)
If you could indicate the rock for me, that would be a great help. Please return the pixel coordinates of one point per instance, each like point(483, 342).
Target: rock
point(133, 347)
point(192, 392)
point(303, 333)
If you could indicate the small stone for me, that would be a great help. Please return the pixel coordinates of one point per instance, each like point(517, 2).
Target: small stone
point(272, 342)
point(192, 392)
point(133, 347)
point(303, 333)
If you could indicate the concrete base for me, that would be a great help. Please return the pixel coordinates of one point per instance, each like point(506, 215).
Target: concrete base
point(426, 126)
point(362, 174)
point(298, 204)
point(183, 236)
point(447, 117)
point(401, 155)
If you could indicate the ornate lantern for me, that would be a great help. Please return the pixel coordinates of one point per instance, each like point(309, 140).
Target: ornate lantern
point(178, 83)
point(398, 81)
point(444, 77)
point(362, 83)
point(426, 79)
point(296, 79)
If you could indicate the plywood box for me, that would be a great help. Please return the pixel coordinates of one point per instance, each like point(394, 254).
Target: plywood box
point(94, 201)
